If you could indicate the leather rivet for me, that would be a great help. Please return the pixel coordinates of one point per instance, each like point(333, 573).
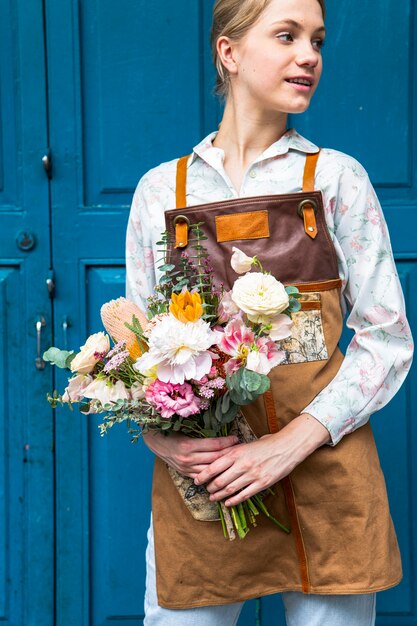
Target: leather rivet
point(181, 243)
point(311, 229)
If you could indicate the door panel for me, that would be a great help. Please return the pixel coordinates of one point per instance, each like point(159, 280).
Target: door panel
point(26, 427)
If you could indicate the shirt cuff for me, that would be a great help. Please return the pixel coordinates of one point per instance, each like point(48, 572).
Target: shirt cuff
point(329, 422)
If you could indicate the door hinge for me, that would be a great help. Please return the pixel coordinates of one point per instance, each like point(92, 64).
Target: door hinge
point(50, 283)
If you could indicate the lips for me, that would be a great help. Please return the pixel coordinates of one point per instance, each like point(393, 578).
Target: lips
point(301, 80)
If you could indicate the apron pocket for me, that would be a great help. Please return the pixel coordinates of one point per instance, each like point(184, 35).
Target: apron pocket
point(248, 225)
point(307, 341)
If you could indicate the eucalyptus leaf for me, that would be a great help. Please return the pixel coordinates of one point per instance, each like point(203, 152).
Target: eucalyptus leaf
point(294, 306)
point(58, 357)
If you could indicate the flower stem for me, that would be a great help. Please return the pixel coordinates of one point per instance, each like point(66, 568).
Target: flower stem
point(268, 514)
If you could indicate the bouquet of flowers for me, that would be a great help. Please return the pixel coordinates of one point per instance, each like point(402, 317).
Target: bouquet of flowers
point(191, 361)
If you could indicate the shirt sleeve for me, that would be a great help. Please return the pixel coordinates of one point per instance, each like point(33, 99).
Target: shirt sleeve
point(380, 353)
point(140, 265)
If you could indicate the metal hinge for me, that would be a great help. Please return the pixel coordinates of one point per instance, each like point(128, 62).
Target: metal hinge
point(50, 283)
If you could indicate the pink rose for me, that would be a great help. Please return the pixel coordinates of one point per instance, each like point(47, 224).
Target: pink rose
point(169, 399)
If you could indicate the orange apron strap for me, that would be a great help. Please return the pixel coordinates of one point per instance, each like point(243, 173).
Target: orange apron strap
point(309, 215)
point(181, 226)
point(181, 188)
point(310, 171)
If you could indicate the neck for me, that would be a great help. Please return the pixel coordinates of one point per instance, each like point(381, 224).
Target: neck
point(245, 133)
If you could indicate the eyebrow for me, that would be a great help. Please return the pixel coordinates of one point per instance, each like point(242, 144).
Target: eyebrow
point(297, 25)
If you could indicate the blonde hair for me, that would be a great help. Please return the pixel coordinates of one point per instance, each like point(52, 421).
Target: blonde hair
point(233, 18)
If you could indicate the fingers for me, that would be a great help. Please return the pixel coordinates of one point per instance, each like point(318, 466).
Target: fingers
point(243, 495)
point(215, 468)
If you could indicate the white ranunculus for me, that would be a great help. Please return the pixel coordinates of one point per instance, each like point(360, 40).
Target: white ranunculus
point(240, 261)
point(86, 359)
point(105, 391)
point(281, 326)
point(260, 296)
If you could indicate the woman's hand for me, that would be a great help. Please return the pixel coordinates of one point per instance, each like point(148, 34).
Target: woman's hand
point(253, 467)
point(188, 455)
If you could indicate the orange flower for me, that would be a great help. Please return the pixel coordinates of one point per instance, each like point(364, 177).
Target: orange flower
point(186, 306)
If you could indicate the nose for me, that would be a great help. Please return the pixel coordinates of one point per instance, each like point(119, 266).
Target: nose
point(307, 55)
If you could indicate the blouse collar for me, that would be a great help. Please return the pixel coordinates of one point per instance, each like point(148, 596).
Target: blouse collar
point(290, 140)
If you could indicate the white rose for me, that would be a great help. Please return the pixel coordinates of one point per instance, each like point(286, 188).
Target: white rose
point(85, 360)
point(240, 261)
point(260, 296)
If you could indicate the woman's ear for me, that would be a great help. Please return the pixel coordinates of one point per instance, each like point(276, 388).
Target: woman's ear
point(226, 50)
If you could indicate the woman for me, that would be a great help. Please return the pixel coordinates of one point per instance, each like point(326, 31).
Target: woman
point(314, 441)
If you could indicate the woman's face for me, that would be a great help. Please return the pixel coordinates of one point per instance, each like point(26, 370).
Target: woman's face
point(282, 46)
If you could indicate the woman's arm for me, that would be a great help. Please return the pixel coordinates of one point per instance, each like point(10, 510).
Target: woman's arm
point(376, 363)
point(379, 355)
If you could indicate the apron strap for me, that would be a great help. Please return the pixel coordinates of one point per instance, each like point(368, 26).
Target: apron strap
point(181, 188)
point(310, 171)
point(181, 225)
point(309, 216)
point(308, 210)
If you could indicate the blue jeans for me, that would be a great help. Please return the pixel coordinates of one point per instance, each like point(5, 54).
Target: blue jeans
point(300, 609)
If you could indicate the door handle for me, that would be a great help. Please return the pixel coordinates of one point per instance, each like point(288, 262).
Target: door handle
point(39, 362)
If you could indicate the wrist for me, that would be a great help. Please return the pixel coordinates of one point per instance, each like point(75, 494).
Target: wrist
point(313, 433)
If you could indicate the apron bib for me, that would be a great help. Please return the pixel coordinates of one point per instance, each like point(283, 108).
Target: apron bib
point(342, 538)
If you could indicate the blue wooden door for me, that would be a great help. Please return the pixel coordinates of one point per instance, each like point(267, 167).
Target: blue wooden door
point(129, 85)
point(26, 426)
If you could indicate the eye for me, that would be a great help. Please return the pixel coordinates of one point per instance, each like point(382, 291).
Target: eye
point(318, 43)
point(285, 37)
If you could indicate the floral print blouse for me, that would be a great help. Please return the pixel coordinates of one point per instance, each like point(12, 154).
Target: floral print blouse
point(379, 355)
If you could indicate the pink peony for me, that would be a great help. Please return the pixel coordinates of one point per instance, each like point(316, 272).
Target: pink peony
point(169, 398)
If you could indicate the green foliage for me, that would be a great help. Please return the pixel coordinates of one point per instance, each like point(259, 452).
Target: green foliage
point(245, 386)
point(294, 295)
point(136, 328)
point(60, 358)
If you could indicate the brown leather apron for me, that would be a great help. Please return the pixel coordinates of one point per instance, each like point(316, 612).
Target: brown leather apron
point(342, 538)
